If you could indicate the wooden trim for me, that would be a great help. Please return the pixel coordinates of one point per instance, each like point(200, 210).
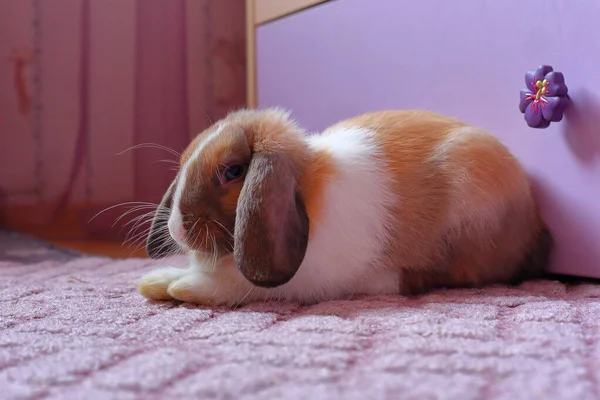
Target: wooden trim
point(250, 55)
point(38, 220)
point(73, 230)
point(268, 10)
point(76, 222)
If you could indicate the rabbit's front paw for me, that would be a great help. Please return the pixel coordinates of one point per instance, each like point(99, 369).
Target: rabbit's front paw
point(223, 289)
point(155, 284)
point(193, 288)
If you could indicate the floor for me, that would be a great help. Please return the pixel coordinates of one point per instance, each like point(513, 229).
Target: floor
point(102, 248)
point(74, 327)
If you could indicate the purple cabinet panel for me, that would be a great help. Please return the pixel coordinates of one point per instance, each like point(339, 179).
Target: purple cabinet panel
point(462, 58)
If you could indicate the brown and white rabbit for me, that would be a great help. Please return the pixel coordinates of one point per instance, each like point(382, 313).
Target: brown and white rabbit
point(387, 202)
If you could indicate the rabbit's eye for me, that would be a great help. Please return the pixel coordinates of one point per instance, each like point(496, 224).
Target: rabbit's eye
point(234, 172)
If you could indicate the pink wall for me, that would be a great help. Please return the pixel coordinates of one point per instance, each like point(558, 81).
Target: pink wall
point(112, 74)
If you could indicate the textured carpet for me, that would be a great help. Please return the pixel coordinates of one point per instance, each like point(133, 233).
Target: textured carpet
point(78, 330)
point(24, 249)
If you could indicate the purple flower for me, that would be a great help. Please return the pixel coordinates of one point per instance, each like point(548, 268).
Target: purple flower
point(545, 98)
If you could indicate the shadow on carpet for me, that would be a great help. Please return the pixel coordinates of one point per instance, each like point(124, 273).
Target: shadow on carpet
point(24, 249)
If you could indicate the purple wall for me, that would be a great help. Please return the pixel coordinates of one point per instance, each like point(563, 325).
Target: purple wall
point(466, 59)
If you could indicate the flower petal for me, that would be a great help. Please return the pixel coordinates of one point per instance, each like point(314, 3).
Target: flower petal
point(538, 74)
point(529, 78)
point(532, 117)
point(542, 71)
point(549, 106)
point(555, 108)
point(523, 102)
point(543, 124)
point(535, 119)
point(556, 86)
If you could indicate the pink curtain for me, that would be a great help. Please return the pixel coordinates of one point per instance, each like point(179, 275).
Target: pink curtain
point(161, 92)
point(90, 79)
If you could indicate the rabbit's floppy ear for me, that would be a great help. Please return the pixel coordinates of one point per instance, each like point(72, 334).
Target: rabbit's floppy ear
point(271, 226)
point(159, 243)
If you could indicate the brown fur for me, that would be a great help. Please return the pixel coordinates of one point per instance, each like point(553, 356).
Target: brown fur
point(263, 213)
point(465, 216)
point(244, 135)
point(465, 213)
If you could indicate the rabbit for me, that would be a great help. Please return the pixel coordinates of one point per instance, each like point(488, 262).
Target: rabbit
point(390, 202)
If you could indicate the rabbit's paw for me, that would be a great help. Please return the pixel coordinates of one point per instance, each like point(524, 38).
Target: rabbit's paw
point(219, 290)
point(193, 288)
point(155, 284)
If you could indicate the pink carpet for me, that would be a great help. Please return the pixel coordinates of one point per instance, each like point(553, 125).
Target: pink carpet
point(78, 330)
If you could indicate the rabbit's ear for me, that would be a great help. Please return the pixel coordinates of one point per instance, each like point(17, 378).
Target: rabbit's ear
point(271, 227)
point(159, 243)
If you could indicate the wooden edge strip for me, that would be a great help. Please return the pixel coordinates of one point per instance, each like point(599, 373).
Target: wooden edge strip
point(250, 55)
point(269, 10)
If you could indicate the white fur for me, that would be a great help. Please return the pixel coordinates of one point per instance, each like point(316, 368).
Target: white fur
point(346, 243)
point(175, 223)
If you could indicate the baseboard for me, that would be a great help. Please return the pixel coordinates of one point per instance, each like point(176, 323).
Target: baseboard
point(75, 222)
